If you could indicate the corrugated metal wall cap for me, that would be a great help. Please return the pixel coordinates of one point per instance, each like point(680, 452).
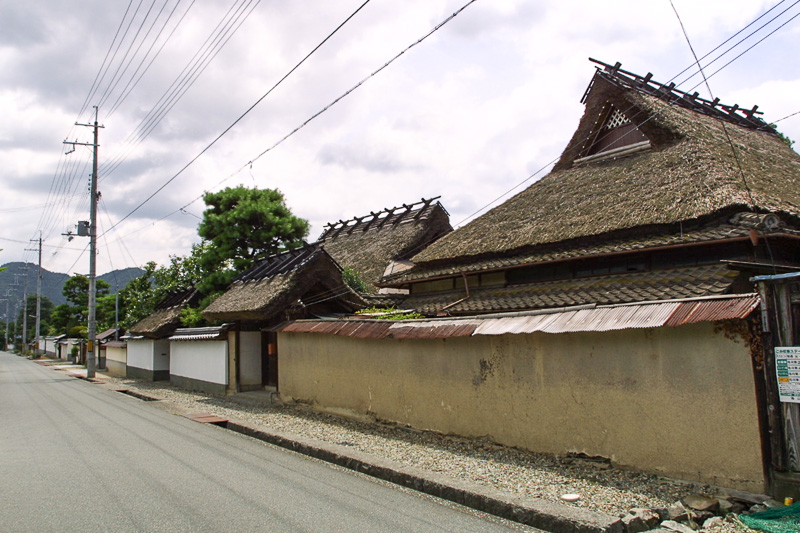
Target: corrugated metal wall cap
point(640, 315)
point(628, 316)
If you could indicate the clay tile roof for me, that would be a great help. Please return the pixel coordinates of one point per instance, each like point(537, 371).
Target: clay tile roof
point(601, 290)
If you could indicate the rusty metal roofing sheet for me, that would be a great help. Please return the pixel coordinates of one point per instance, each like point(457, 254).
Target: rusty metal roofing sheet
point(432, 329)
point(641, 315)
point(713, 310)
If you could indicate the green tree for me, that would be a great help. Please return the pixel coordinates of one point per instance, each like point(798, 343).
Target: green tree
point(139, 298)
point(106, 312)
point(46, 309)
point(241, 226)
point(62, 319)
point(75, 313)
point(76, 290)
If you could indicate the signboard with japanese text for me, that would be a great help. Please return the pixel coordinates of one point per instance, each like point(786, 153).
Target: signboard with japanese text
point(787, 367)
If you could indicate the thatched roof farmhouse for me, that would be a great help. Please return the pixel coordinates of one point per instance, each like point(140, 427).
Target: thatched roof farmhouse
point(308, 281)
point(659, 195)
point(167, 315)
point(290, 284)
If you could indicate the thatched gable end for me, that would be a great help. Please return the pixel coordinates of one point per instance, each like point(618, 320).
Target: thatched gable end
point(299, 278)
point(690, 172)
point(368, 244)
point(167, 316)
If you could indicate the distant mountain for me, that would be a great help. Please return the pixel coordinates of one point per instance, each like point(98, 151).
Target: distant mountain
point(12, 281)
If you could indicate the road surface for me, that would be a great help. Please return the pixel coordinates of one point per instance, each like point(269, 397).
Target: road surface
point(77, 457)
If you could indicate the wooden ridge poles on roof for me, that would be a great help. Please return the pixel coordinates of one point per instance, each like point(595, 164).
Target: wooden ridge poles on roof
point(670, 94)
point(335, 228)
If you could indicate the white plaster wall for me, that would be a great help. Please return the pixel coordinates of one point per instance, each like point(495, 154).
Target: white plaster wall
point(202, 360)
point(120, 355)
point(161, 354)
point(140, 354)
point(250, 358)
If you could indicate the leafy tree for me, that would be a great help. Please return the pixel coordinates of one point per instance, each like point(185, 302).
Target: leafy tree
point(62, 320)
point(240, 227)
point(76, 290)
point(46, 308)
point(106, 312)
point(76, 312)
point(139, 298)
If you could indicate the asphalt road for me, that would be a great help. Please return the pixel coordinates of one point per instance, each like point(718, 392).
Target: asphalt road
point(77, 457)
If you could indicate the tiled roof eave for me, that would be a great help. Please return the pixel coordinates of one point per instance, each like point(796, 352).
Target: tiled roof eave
point(496, 264)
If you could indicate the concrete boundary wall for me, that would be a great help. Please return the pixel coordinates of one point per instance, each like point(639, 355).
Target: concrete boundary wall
point(678, 402)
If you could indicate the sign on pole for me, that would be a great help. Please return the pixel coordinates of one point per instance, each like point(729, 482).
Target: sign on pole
point(787, 367)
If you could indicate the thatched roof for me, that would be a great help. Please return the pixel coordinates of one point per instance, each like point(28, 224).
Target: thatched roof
point(368, 244)
point(167, 316)
point(688, 172)
point(298, 280)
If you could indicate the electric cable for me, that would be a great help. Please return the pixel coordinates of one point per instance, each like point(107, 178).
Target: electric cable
point(170, 180)
point(185, 80)
point(101, 103)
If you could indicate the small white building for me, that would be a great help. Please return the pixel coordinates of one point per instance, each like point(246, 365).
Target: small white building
point(148, 355)
point(50, 345)
point(199, 359)
point(117, 358)
point(70, 350)
point(147, 358)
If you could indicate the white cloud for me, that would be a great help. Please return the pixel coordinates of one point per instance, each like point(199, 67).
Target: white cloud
point(489, 99)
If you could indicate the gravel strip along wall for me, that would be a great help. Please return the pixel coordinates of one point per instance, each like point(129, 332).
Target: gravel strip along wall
point(514, 473)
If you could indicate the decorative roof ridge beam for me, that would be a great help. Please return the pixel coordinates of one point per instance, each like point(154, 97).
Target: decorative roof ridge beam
point(424, 207)
point(671, 94)
point(389, 215)
point(402, 215)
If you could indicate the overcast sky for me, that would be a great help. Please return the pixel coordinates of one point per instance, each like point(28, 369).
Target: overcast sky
point(487, 101)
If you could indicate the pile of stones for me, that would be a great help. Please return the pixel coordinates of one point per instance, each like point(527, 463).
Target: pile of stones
point(698, 512)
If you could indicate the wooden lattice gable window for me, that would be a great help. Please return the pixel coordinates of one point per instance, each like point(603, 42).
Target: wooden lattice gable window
point(613, 134)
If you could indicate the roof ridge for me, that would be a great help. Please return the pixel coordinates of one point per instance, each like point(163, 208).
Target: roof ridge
point(375, 219)
point(670, 94)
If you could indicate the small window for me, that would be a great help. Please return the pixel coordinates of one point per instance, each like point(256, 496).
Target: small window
point(438, 285)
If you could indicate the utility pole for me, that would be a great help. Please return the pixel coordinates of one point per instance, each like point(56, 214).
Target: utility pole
point(37, 352)
point(5, 339)
point(38, 298)
point(92, 326)
point(24, 342)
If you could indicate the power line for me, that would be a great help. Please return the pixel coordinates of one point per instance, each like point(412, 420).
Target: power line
point(787, 116)
point(185, 80)
point(739, 42)
point(722, 122)
point(195, 158)
point(127, 91)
